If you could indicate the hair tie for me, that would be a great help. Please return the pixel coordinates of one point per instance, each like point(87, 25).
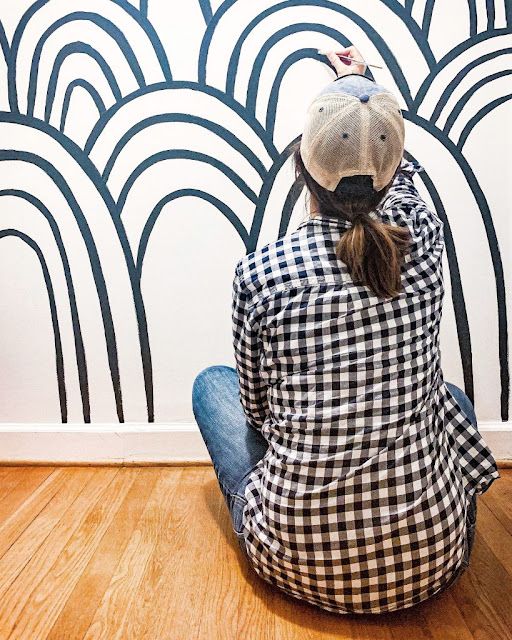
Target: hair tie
point(360, 218)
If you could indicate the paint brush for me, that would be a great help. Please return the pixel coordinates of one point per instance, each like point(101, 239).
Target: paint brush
point(324, 52)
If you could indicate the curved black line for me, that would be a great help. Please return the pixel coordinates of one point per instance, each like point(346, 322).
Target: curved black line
point(184, 84)
point(427, 17)
point(150, 31)
point(75, 319)
point(59, 359)
point(79, 82)
point(273, 99)
point(449, 57)
point(459, 304)
point(109, 27)
point(252, 87)
point(206, 10)
point(259, 61)
point(508, 12)
point(93, 175)
point(69, 49)
point(61, 184)
point(392, 5)
point(490, 13)
point(452, 85)
point(291, 59)
point(290, 201)
point(4, 44)
point(494, 250)
point(157, 210)
point(473, 19)
point(377, 40)
point(264, 195)
point(450, 121)
point(175, 154)
point(221, 131)
point(103, 23)
point(478, 116)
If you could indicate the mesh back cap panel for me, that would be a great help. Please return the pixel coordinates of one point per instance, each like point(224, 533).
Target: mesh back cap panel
point(346, 136)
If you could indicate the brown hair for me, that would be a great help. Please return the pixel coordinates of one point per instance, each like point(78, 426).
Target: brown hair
point(372, 250)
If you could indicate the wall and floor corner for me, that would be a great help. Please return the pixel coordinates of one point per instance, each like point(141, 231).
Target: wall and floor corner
point(144, 148)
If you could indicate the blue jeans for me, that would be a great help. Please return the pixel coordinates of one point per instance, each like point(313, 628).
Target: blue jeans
point(235, 448)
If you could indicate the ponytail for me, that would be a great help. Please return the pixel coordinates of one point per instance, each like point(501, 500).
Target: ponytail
point(374, 253)
point(373, 250)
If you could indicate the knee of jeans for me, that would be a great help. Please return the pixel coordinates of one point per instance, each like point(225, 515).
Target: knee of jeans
point(205, 377)
point(202, 378)
point(455, 390)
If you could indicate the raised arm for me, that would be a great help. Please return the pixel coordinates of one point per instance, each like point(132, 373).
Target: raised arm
point(403, 190)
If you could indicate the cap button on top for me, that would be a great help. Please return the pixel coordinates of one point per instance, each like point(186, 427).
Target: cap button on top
point(364, 97)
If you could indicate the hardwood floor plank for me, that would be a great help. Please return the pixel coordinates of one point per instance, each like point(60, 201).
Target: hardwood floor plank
point(122, 594)
point(24, 489)
point(495, 582)
point(26, 506)
point(182, 581)
point(499, 498)
point(150, 602)
point(51, 594)
point(495, 535)
point(187, 553)
point(34, 587)
point(30, 539)
point(296, 619)
point(476, 594)
point(9, 478)
point(80, 608)
point(241, 598)
point(443, 618)
point(114, 553)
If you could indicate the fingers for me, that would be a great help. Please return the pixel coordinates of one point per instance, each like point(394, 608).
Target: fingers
point(340, 64)
point(336, 62)
point(349, 51)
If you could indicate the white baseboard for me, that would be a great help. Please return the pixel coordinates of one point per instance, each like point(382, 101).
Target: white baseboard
point(171, 443)
point(102, 443)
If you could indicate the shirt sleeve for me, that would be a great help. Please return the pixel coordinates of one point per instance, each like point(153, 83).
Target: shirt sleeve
point(246, 343)
point(403, 187)
point(403, 205)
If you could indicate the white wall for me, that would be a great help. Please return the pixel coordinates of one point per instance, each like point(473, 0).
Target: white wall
point(99, 189)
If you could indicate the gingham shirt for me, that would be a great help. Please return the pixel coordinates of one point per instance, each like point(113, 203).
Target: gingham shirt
point(359, 504)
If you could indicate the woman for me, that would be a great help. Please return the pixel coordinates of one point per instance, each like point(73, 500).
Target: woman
point(349, 466)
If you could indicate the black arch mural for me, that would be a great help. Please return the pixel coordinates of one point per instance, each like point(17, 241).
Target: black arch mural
point(156, 100)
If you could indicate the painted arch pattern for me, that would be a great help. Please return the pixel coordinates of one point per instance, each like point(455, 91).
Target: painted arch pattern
point(90, 167)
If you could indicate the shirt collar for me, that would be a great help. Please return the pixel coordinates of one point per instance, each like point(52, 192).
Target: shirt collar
point(323, 220)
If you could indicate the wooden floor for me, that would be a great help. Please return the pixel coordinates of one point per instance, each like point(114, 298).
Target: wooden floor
point(148, 553)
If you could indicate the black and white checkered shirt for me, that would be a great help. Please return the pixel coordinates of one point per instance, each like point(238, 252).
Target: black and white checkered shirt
point(359, 504)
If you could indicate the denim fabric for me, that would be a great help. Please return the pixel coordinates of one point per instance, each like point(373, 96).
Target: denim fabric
point(236, 448)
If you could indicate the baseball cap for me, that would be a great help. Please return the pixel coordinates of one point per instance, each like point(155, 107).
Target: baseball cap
point(354, 127)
